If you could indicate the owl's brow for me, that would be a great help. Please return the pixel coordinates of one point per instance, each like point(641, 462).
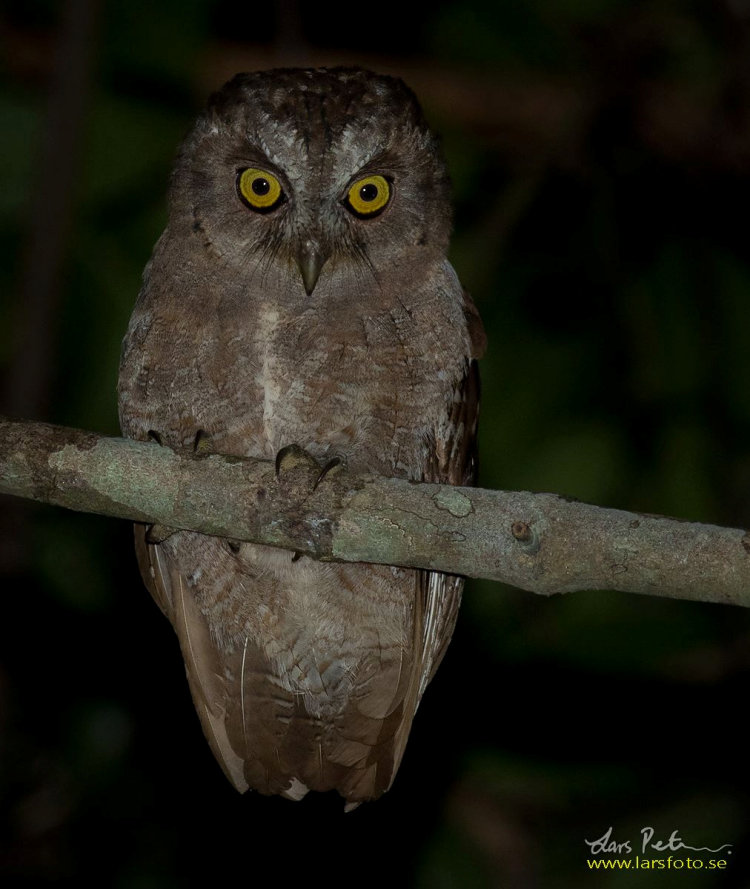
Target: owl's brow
point(382, 159)
point(268, 153)
point(258, 153)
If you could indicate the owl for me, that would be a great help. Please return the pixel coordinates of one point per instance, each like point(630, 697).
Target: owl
point(300, 295)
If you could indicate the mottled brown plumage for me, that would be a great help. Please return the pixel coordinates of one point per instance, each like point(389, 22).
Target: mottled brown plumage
point(310, 319)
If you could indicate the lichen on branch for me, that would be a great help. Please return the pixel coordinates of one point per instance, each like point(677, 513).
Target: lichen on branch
point(543, 543)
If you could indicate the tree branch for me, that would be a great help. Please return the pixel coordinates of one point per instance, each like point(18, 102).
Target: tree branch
point(539, 542)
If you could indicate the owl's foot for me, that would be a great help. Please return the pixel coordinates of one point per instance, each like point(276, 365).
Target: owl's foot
point(334, 465)
point(295, 460)
point(301, 473)
point(297, 472)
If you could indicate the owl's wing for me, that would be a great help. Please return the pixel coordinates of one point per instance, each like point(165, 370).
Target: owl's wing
point(202, 661)
point(452, 460)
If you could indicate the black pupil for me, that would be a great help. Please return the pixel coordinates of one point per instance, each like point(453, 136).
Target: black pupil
point(261, 186)
point(368, 192)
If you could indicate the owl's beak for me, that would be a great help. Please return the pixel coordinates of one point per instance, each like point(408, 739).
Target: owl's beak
point(310, 261)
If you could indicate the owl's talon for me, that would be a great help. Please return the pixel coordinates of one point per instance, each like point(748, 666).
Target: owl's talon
point(157, 533)
point(296, 556)
point(334, 465)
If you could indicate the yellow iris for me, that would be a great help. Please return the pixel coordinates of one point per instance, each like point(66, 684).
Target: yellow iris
point(368, 196)
point(259, 189)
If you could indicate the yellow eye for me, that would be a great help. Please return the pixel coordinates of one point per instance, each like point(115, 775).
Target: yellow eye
point(259, 189)
point(368, 196)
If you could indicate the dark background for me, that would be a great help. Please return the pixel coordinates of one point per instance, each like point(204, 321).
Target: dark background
point(599, 151)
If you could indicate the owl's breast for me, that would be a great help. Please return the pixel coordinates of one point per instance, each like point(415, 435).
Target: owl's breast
point(370, 387)
point(179, 375)
point(372, 384)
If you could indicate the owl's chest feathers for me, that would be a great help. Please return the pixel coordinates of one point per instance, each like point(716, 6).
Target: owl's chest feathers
point(364, 389)
point(372, 387)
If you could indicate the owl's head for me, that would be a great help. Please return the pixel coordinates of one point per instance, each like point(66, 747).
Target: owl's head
point(316, 174)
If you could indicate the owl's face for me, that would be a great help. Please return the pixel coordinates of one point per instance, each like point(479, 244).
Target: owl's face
point(317, 175)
